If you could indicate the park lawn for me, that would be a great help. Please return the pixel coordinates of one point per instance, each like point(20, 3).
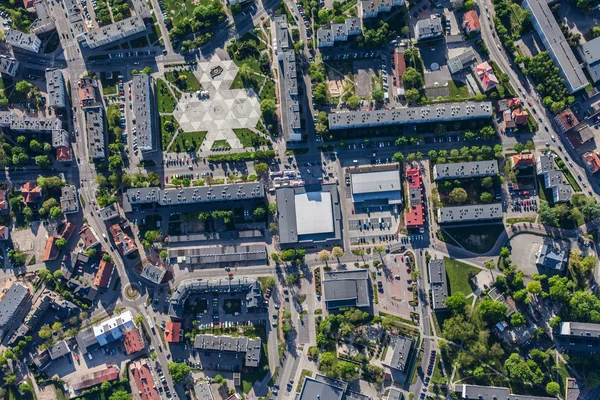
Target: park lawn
point(221, 144)
point(188, 142)
point(458, 276)
point(458, 88)
point(251, 82)
point(191, 84)
point(268, 90)
point(247, 137)
point(252, 61)
point(109, 86)
point(155, 34)
point(513, 221)
point(259, 373)
point(478, 239)
point(178, 10)
point(165, 135)
point(166, 101)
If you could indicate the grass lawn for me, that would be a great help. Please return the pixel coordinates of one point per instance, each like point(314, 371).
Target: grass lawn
point(248, 58)
point(563, 167)
point(166, 101)
point(221, 145)
point(251, 82)
point(512, 221)
point(231, 306)
point(458, 88)
point(478, 239)
point(458, 276)
point(155, 35)
point(165, 135)
point(188, 142)
point(268, 90)
point(180, 9)
point(109, 86)
point(257, 374)
point(249, 138)
point(139, 42)
point(303, 375)
point(189, 84)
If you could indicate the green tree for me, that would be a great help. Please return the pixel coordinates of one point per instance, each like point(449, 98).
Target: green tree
point(458, 195)
point(353, 102)
point(492, 311)
point(261, 168)
point(517, 319)
point(25, 388)
point(57, 275)
point(61, 243)
point(469, 5)
point(534, 287)
point(457, 303)
point(120, 395)
point(412, 79)
point(23, 87)
point(412, 95)
point(178, 371)
point(519, 147)
point(268, 107)
point(552, 388)
point(259, 214)
point(45, 332)
point(44, 274)
point(56, 212)
point(486, 197)
point(487, 182)
point(378, 94)
point(457, 328)
point(398, 157)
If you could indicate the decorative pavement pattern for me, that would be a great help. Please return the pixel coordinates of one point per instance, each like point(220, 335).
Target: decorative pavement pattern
point(222, 110)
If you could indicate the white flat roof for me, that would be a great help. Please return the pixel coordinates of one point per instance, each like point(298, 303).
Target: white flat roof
point(314, 213)
point(377, 181)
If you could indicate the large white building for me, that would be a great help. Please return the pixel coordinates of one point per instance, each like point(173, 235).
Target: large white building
point(25, 41)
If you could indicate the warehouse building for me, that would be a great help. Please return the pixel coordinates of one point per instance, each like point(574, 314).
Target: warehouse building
point(376, 186)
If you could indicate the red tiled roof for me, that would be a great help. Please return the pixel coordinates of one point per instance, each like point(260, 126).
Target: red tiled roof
point(3, 202)
point(68, 230)
point(508, 120)
point(105, 269)
point(31, 192)
point(413, 177)
point(520, 116)
point(125, 244)
point(63, 153)
point(28, 3)
point(523, 160)
point(173, 332)
point(400, 64)
point(414, 217)
point(51, 252)
point(144, 381)
point(471, 22)
point(110, 373)
point(567, 120)
point(593, 161)
point(486, 75)
point(132, 340)
point(88, 237)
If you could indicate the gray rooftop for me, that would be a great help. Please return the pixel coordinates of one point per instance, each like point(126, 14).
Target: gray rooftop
point(346, 288)
point(546, 26)
point(55, 86)
point(551, 258)
point(289, 83)
point(474, 392)
point(109, 212)
point(44, 22)
point(60, 138)
point(544, 162)
point(429, 27)
point(461, 61)
point(29, 124)
point(249, 347)
point(95, 132)
point(590, 52)
point(69, 203)
point(13, 299)
point(438, 283)
point(410, 115)
point(401, 348)
point(573, 389)
point(26, 41)
point(59, 349)
point(580, 329)
point(552, 178)
point(377, 183)
point(208, 255)
point(562, 193)
point(113, 32)
point(203, 392)
point(324, 35)
point(190, 287)
point(282, 33)
point(142, 110)
point(321, 387)
point(201, 194)
point(8, 65)
point(470, 213)
point(463, 170)
point(394, 394)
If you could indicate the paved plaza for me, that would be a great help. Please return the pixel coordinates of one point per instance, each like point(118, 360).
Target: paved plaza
point(223, 109)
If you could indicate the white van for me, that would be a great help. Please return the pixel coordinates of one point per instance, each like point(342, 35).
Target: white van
point(90, 356)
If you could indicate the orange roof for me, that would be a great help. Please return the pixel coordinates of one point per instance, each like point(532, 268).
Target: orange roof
point(471, 22)
point(68, 230)
point(28, 3)
point(125, 244)
point(88, 237)
point(143, 380)
point(520, 116)
point(413, 177)
point(3, 202)
point(87, 95)
point(105, 269)
point(566, 120)
point(132, 340)
point(593, 161)
point(414, 217)
point(523, 160)
point(173, 332)
point(31, 192)
point(63, 153)
point(51, 252)
point(487, 76)
point(508, 120)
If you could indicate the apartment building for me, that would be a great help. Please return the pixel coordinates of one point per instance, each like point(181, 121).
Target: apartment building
point(55, 87)
point(94, 117)
point(142, 110)
point(8, 65)
point(25, 41)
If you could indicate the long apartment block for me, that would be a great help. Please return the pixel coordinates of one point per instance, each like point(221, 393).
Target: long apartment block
point(327, 37)
point(142, 109)
point(465, 170)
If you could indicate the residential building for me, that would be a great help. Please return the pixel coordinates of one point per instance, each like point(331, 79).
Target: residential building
point(28, 124)
point(553, 179)
point(61, 142)
point(470, 213)
point(438, 284)
point(200, 194)
point(327, 37)
point(219, 256)
point(154, 273)
point(508, 121)
point(566, 120)
point(394, 394)
point(399, 353)
point(88, 92)
point(27, 3)
point(55, 86)
point(248, 348)
point(133, 341)
point(551, 258)
point(103, 275)
point(545, 163)
point(524, 160)
point(461, 61)
point(346, 289)
point(109, 212)
point(429, 28)
point(51, 250)
point(69, 202)
point(44, 22)
point(590, 54)
point(474, 392)
point(557, 46)
point(250, 286)
point(591, 159)
point(486, 75)
point(111, 33)
point(94, 117)
point(579, 337)
point(88, 237)
point(8, 65)
point(372, 8)
point(583, 135)
point(520, 116)
point(144, 380)
point(573, 389)
point(14, 305)
point(415, 210)
point(31, 193)
point(105, 332)
point(4, 204)
point(97, 377)
point(448, 112)
point(173, 332)
point(142, 111)
point(24, 41)
point(325, 388)
point(203, 392)
point(471, 22)
point(465, 170)
point(562, 193)
point(376, 185)
point(123, 242)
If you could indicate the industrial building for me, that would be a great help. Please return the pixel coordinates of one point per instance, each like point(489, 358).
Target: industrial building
point(142, 110)
point(376, 186)
point(309, 217)
point(346, 289)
